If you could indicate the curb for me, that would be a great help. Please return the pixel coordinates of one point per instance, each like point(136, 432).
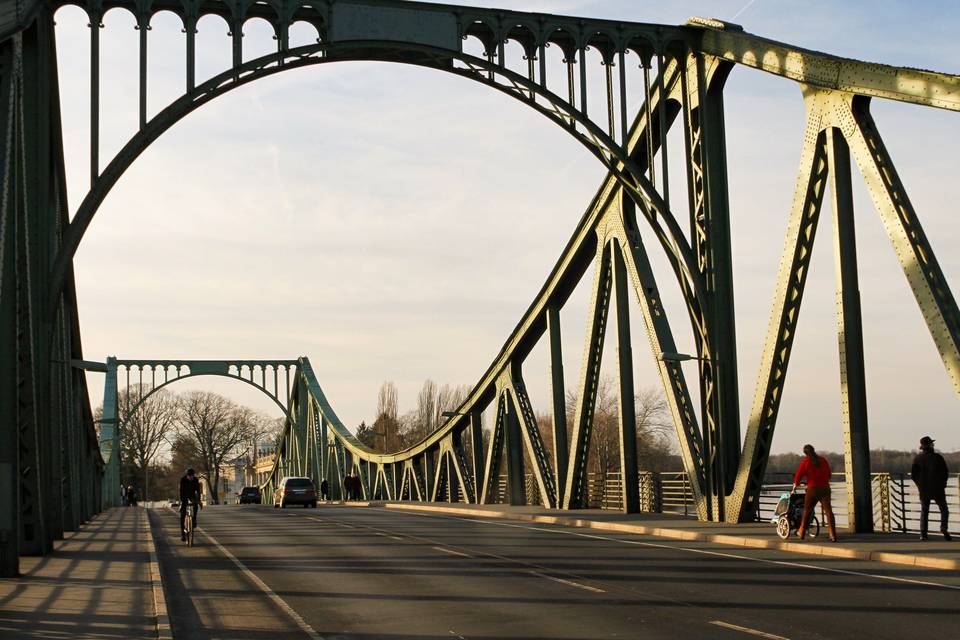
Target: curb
point(887, 557)
point(164, 630)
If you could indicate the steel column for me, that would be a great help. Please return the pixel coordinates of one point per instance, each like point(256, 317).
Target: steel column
point(558, 396)
point(10, 52)
point(516, 478)
point(574, 494)
point(853, 386)
point(629, 486)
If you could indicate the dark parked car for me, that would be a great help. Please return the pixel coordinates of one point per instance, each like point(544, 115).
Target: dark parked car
point(295, 491)
point(249, 495)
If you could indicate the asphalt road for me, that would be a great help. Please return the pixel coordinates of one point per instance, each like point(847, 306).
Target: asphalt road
point(369, 572)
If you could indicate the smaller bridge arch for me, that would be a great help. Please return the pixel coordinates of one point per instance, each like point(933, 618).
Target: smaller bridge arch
point(274, 378)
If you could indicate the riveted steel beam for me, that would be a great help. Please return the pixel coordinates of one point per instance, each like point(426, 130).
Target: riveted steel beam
point(574, 494)
point(530, 433)
point(784, 316)
point(491, 472)
point(10, 56)
point(661, 341)
point(826, 71)
point(853, 386)
point(558, 401)
point(909, 240)
point(629, 473)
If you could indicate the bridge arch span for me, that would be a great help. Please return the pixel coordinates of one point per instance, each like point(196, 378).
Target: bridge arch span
point(575, 122)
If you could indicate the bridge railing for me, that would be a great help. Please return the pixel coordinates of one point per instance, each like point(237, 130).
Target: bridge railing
point(896, 502)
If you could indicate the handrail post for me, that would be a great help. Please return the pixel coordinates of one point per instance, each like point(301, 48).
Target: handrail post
point(903, 506)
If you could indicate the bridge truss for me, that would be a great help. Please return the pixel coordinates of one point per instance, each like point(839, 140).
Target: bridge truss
point(48, 431)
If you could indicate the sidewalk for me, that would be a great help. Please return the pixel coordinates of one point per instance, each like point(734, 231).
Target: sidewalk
point(892, 548)
point(96, 584)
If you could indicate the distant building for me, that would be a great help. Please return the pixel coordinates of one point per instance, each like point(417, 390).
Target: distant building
point(233, 478)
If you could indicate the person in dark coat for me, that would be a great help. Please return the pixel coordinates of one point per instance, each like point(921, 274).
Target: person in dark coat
point(325, 489)
point(191, 496)
point(929, 473)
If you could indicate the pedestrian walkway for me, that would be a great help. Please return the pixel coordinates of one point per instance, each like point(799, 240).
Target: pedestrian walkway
point(893, 548)
point(97, 584)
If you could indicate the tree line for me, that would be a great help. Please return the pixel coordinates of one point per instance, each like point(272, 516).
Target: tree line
point(198, 429)
point(881, 461)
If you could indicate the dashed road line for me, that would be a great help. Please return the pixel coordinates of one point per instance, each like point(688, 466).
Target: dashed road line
point(534, 570)
point(720, 554)
point(748, 630)
point(452, 552)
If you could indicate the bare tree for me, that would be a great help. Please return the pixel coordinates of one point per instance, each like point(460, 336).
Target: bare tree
point(146, 421)
point(264, 430)
point(655, 435)
point(432, 402)
point(385, 430)
point(387, 400)
point(218, 428)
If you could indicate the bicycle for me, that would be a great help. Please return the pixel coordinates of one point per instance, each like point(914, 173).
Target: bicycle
point(189, 522)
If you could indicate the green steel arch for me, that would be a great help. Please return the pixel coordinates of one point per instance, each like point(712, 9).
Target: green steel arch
point(114, 419)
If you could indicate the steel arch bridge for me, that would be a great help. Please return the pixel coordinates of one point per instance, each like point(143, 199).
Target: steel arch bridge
point(56, 469)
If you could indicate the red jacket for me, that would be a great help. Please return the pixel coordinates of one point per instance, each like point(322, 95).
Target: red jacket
point(817, 476)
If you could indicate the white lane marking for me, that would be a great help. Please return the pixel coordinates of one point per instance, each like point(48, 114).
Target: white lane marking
point(387, 535)
point(569, 583)
point(539, 574)
point(752, 632)
point(255, 579)
point(720, 554)
point(452, 552)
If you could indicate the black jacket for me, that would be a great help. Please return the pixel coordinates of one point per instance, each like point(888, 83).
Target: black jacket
point(190, 489)
point(930, 473)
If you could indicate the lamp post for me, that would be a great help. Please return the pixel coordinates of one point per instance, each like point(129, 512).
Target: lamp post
point(715, 473)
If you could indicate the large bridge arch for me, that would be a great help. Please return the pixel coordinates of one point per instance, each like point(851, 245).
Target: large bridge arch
point(531, 91)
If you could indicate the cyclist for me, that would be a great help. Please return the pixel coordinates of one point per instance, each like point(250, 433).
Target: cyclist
point(190, 493)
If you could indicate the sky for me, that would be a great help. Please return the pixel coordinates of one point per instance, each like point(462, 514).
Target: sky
point(394, 223)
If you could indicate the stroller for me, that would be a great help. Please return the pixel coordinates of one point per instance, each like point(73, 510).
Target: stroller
point(788, 514)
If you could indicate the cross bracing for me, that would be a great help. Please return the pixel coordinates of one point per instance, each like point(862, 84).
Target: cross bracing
point(43, 397)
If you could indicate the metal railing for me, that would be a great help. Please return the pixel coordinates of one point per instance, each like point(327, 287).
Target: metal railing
point(896, 502)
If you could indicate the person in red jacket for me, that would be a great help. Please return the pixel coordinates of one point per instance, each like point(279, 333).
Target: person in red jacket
point(816, 470)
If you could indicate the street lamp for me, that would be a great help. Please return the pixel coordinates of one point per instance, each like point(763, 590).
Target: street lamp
point(667, 356)
point(451, 414)
point(713, 447)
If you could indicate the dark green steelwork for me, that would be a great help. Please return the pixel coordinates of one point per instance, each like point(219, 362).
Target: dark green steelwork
point(53, 473)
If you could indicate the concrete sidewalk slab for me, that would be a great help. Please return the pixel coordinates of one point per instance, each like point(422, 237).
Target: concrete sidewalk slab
point(891, 548)
point(96, 584)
